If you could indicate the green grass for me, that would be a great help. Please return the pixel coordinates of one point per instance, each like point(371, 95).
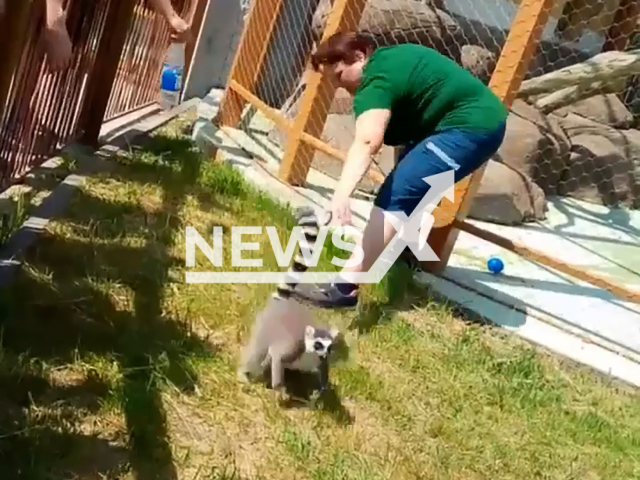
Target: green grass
point(111, 366)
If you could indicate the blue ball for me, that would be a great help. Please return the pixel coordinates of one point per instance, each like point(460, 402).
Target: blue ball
point(495, 265)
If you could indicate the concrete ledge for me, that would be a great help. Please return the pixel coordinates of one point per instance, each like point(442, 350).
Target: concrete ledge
point(532, 329)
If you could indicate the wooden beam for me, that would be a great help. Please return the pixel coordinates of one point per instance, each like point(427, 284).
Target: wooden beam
point(318, 144)
point(539, 257)
point(101, 79)
point(249, 58)
point(272, 114)
point(285, 124)
point(317, 97)
point(624, 24)
point(195, 18)
point(510, 70)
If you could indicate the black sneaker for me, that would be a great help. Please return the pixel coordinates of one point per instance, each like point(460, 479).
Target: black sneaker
point(326, 295)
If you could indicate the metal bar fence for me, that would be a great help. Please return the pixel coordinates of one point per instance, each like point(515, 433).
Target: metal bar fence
point(44, 110)
point(140, 66)
point(566, 69)
point(41, 110)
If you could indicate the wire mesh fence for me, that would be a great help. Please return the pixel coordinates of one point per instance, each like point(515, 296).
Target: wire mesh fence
point(571, 131)
point(450, 27)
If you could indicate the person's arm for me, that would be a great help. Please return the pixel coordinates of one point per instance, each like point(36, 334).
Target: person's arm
point(181, 29)
point(56, 37)
point(372, 107)
point(368, 139)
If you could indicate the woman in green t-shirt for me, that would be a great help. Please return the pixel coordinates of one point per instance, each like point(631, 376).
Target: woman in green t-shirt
point(408, 96)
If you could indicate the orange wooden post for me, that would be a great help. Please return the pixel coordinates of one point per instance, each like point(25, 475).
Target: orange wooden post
point(317, 97)
point(510, 70)
point(249, 58)
point(623, 26)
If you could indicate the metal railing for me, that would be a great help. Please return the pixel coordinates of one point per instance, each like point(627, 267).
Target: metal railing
point(118, 52)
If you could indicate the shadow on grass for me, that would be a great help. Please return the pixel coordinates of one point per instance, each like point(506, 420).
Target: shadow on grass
point(398, 292)
point(302, 385)
point(70, 307)
point(31, 440)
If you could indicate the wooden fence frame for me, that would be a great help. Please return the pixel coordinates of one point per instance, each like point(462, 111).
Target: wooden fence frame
point(303, 137)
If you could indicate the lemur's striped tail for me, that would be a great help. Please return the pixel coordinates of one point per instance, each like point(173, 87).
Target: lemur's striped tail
point(308, 220)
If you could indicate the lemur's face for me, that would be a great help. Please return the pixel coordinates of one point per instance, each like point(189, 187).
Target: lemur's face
point(319, 341)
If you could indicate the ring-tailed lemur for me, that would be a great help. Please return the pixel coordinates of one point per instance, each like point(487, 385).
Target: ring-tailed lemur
point(307, 219)
point(285, 335)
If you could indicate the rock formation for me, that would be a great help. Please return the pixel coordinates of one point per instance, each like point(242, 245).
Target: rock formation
point(568, 132)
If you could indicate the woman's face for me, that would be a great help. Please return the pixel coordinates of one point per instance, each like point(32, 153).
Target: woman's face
point(348, 75)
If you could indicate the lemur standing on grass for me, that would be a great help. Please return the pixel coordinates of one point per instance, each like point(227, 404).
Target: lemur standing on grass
point(285, 335)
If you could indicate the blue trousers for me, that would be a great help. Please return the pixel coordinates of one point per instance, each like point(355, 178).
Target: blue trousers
point(460, 150)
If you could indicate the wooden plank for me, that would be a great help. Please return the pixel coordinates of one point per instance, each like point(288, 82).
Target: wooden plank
point(249, 58)
point(510, 70)
point(317, 97)
point(537, 256)
point(195, 18)
point(623, 26)
point(272, 114)
point(318, 144)
point(102, 77)
point(285, 124)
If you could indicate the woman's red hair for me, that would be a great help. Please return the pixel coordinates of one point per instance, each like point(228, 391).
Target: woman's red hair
point(341, 46)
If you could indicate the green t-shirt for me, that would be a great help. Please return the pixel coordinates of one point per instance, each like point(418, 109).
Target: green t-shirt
point(426, 93)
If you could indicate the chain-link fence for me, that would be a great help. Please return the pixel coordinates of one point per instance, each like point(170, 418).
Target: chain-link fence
point(572, 130)
point(468, 32)
point(572, 126)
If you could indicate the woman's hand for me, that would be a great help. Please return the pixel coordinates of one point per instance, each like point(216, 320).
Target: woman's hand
point(341, 210)
point(369, 135)
point(58, 46)
point(180, 30)
point(57, 43)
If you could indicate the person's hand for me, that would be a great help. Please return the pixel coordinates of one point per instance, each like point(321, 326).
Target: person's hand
point(180, 30)
point(341, 210)
point(57, 45)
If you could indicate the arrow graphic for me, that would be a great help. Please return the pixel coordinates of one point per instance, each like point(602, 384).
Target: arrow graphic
point(410, 232)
